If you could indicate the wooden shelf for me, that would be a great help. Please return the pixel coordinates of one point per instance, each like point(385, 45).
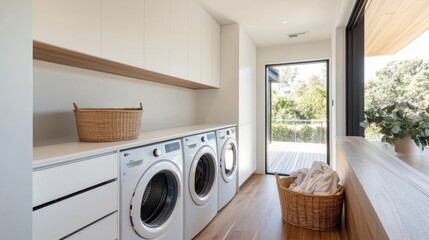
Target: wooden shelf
point(50, 53)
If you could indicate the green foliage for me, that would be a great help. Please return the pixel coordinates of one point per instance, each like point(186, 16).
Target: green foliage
point(399, 120)
point(305, 133)
point(400, 81)
point(305, 101)
point(281, 132)
point(312, 101)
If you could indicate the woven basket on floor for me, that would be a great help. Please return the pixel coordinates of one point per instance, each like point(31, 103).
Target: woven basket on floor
point(316, 212)
point(108, 124)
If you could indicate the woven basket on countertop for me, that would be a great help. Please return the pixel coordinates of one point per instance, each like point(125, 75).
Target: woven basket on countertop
point(108, 124)
point(316, 212)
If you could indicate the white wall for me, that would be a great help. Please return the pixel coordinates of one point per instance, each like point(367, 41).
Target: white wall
point(319, 50)
point(220, 106)
point(338, 79)
point(56, 87)
point(15, 120)
point(247, 110)
point(234, 102)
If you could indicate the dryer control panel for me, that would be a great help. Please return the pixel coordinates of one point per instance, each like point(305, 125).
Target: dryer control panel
point(140, 158)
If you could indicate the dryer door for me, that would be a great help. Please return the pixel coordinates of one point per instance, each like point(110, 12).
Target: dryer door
point(228, 160)
point(203, 175)
point(153, 206)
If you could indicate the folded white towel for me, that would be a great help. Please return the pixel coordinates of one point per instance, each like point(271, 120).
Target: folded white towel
point(320, 180)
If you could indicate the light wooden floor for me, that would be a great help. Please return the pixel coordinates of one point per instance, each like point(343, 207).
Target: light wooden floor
point(254, 213)
point(285, 157)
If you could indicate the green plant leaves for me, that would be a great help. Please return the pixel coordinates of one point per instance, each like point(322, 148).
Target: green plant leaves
point(399, 120)
point(364, 125)
point(395, 129)
point(389, 119)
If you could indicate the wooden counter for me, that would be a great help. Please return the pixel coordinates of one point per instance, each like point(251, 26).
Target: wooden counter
point(386, 198)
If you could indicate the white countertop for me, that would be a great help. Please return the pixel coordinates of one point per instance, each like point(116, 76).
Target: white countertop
point(62, 152)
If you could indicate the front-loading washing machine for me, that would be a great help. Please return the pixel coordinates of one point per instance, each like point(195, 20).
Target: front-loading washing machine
point(152, 192)
point(200, 188)
point(228, 165)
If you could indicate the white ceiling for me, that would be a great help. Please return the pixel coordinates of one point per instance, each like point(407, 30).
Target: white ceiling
point(262, 19)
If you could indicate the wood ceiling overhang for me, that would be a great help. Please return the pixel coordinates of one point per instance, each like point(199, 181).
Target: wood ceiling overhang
point(390, 25)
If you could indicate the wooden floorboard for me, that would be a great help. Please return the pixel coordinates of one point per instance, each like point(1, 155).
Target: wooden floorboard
point(254, 214)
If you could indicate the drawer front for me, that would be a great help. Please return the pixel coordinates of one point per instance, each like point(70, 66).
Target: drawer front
point(53, 183)
point(65, 217)
point(105, 229)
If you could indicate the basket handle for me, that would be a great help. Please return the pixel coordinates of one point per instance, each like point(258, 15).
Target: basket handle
point(75, 107)
point(141, 105)
point(277, 177)
point(339, 190)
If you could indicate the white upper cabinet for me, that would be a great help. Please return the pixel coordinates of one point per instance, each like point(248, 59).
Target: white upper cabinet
point(179, 38)
point(122, 36)
point(157, 36)
point(195, 38)
point(215, 54)
point(173, 37)
point(206, 49)
point(71, 24)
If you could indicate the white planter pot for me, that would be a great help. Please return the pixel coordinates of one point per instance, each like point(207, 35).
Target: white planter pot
point(407, 146)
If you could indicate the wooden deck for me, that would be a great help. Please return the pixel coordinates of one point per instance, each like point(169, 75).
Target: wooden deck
point(285, 157)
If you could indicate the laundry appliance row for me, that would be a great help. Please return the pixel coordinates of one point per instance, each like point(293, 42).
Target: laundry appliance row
point(172, 190)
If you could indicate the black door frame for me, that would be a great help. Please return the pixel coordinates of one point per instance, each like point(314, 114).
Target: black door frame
point(268, 106)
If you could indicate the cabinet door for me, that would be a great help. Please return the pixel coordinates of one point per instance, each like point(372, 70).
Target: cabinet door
point(206, 49)
point(106, 229)
point(71, 24)
point(179, 38)
point(122, 33)
point(215, 54)
point(157, 32)
point(67, 216)
point(195, 38)
point(56, 182)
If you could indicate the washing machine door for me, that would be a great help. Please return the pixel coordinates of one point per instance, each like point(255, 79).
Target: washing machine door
point(228, 160)
point(154, 203)
point(203, 175)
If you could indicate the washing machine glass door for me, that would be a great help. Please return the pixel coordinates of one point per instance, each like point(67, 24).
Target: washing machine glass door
point(203, 175)
point(229, 160)
point(153, 206)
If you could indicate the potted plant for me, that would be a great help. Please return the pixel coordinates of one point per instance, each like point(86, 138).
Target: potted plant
point(401, 124)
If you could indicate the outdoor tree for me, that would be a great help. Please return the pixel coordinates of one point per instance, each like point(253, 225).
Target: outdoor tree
point(399, 81)
point(298, 99)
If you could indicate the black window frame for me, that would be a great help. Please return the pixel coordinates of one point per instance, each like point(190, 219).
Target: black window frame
point(355, 70)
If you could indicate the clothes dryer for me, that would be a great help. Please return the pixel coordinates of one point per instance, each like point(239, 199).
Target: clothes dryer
point(200, 188)
point(228, 165)
point(152, 192)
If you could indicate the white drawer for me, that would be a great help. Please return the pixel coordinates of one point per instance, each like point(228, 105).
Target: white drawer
point(65, 217)
point(105, 229)
point(53, 183)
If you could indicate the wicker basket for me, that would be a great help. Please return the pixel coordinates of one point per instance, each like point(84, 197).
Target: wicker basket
point(108, 124)
point(316, 212)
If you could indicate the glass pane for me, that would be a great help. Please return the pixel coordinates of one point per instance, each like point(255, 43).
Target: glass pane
point(297, 121)
point(396, 61)
point(229, 159)
point(159, 199)
point(204, 175)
